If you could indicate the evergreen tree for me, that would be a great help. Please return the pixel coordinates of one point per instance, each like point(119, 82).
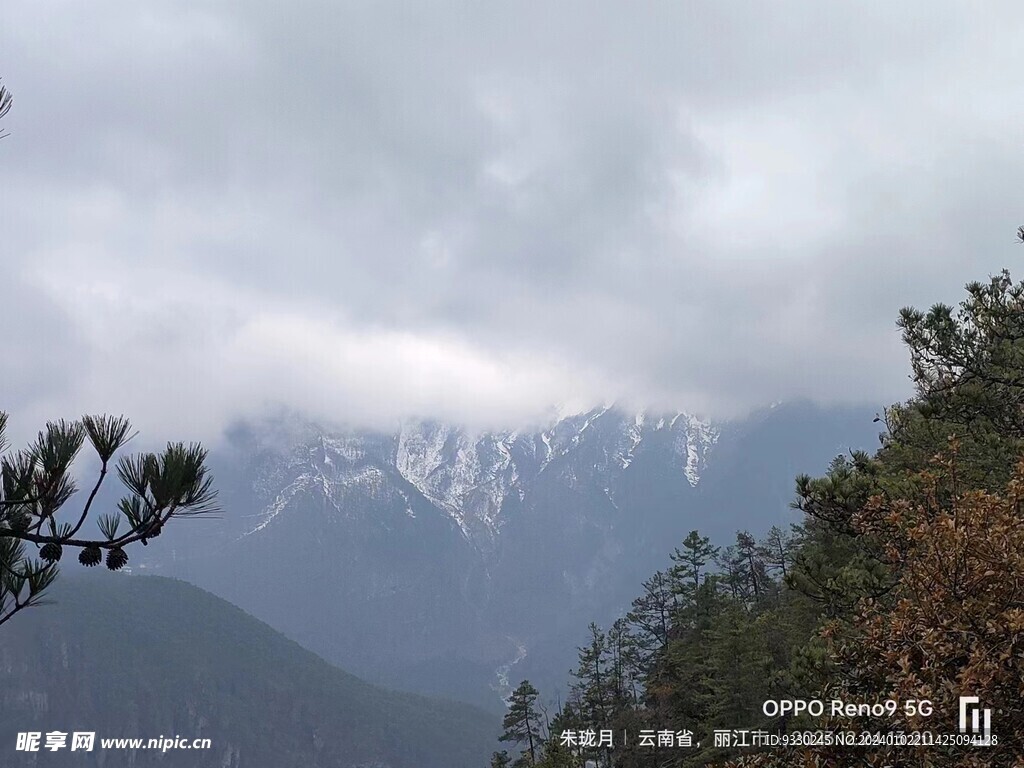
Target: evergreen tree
point(522, 724)
point(835, 565)
point(594, 685)
point(754, 573)
point(625, 660)
point(733, 577)
point(691, 560)
point(37, 483)
point(559, 752)
point(776, 551)
point(651, 613)
point(967, 363)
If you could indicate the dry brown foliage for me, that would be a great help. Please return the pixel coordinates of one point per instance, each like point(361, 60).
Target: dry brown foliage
point(953, 625)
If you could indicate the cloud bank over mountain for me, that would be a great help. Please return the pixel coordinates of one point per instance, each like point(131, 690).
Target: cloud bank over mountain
point(367, 211)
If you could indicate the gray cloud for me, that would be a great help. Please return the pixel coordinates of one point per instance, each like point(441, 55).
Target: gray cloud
point(367, 210)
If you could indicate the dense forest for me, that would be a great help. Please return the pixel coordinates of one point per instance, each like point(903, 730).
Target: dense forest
point(903, 582)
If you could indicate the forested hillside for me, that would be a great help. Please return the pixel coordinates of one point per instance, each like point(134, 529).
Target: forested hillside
point(145, 657)
point(902, 583)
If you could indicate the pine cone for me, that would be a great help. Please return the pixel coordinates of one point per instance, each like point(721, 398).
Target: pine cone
point(90, 556)
point(116, 559)
point(51, 552)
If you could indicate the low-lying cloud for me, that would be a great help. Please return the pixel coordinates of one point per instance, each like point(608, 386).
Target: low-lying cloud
point(367, 211)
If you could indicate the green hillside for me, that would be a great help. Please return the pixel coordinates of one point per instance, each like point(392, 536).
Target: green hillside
point(146, 657)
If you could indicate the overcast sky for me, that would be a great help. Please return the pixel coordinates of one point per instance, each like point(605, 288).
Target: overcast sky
point(476, 210)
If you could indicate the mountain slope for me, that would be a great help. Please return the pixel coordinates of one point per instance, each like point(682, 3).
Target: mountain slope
point(449, 561)
point(128, 656)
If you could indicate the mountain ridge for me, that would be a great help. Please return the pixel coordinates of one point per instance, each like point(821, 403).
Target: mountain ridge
point(454, 468)
point(462, 547)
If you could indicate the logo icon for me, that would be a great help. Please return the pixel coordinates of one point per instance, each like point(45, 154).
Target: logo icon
point(981, 719)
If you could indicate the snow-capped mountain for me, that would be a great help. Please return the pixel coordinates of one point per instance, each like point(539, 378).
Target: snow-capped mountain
point(470, 476)
point(440, 558)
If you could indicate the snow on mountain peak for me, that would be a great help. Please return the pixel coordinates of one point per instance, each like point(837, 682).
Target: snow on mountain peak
point(701, 436)
point(470, 476)
point(465, 475)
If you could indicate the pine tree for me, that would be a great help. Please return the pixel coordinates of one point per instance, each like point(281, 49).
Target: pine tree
point(38, 482)
point(522, 724)
point(733, 576)
point(651, 613)
point(625, 659)
point(593, 683)
point(776, 551)
point(691, 560)
point(967, 363)
point(753, 570)
point(557, 752)
point(836, 565)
